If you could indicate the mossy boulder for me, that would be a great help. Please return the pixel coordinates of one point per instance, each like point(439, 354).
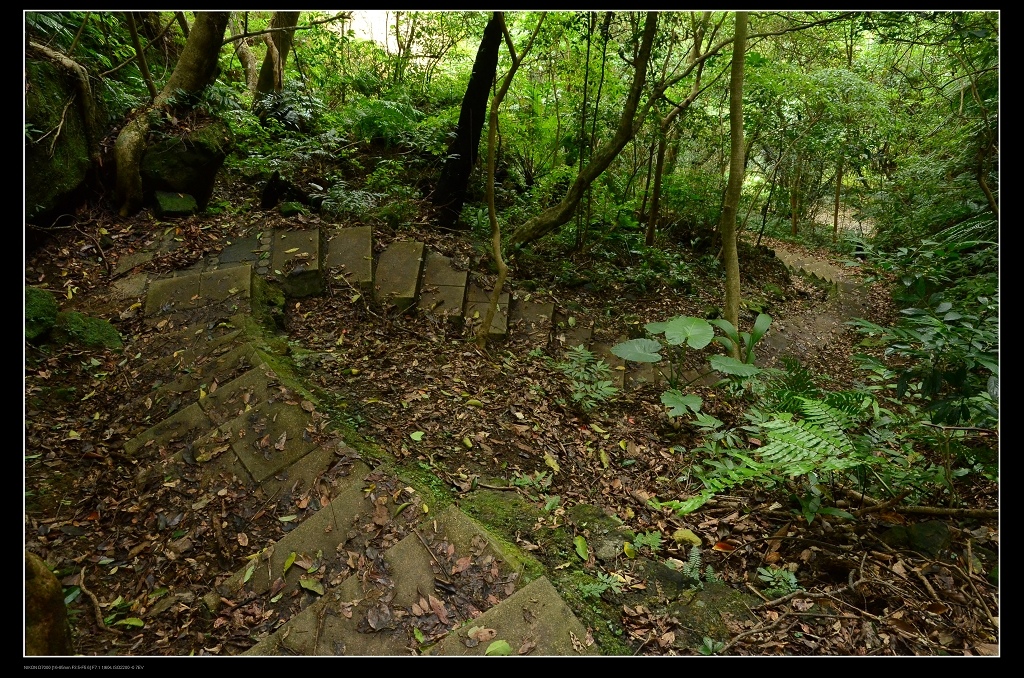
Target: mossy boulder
point(187, 163)
point(73, 327)
point(41, 311)
point(167, 205)
point(56, 162)
point(46, 616)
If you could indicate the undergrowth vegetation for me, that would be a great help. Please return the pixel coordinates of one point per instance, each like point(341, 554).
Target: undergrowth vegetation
point(861, 148)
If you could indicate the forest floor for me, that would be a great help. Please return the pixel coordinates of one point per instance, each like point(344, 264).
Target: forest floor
point(400, 374)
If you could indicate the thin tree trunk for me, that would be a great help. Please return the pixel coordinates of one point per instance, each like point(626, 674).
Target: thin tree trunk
point(245, 56)
point(656, 193)
point(794, 194)
point(492, 213)
point(182, 23)
point(727, 226)
point(581, 139)
point(278, 44)
point(629, 123)
point(140, 55)
point(835, 213)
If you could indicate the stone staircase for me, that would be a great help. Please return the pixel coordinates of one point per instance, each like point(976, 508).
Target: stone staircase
point(369, 567)
point(408, 275)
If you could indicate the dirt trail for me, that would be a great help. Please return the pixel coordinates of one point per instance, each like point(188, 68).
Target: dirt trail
point(813, 328)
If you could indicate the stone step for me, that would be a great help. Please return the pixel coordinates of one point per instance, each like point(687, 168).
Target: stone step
point(325, 531)
point(440, 567)
point(398, 274)
point(194, 290)
point(534, 320)
point(603, 350)
point(533, 621)
point(477, 301)
point(295, 258)
point(351, 251)
point(443, 290)
point(568, 333)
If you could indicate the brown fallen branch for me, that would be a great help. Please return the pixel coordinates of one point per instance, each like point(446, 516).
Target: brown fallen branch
point(877, 505)
point(95, 604)
point(955, 512)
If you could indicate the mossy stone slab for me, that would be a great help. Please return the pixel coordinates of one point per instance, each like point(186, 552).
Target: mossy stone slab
point(398, 274)
point(257, 436)
point(325, 531)
point(167, 295)
point(186, 423)
point(477, 301)
point(535, 617)
point(295, 262)
point(351, 250)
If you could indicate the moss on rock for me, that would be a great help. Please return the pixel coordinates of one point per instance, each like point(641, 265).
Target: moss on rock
point(73, 327)
point(41, 311)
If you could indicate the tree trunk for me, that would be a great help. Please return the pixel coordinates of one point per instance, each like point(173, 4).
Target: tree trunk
point(794, 194)
point(464, 150)
point(659, 170)
point(140, 55)
point(278, 44)
point(196, 68)
point(492, 213)
point(629, 123)
point(727, 225)
point(245, 55)
point(835, 213)
point(80, 76)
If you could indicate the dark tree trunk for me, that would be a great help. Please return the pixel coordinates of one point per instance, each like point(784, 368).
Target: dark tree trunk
point(462, 154)
point(278, 45)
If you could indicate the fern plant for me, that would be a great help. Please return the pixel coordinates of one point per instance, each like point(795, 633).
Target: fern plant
point(695, 569)
point(816, 439)
point(588, 377)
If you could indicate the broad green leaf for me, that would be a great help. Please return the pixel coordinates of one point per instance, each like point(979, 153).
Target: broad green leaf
point(499, 648)
point(581, 547)
point(656, 328)
point(638, 350)
point(72, 595)
point(420, 638)
point(692, 504)
point(760, 327)
point(679, 404)
point(312, 585)
point(416, 435)
point(685, 536)
point(839, 513)
point(729, 365)
point(629, 550)
point(131, 621)
point(993, 387)
point(289, 561)
point(695, 332)
point(248, 571)
point(727, 327)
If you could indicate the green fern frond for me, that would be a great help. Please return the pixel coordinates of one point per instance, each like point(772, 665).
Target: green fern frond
point(817, 441)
